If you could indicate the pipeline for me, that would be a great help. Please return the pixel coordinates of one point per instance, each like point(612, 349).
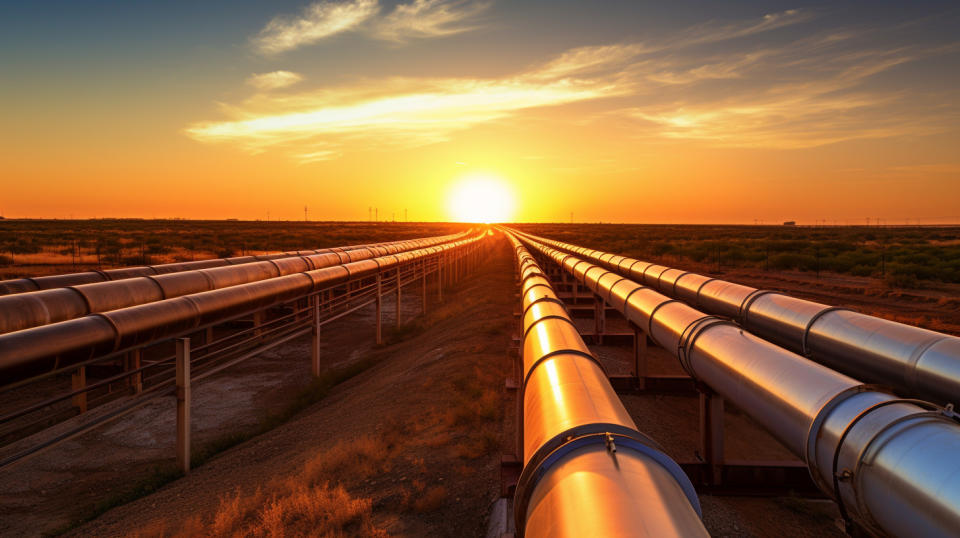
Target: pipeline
point(889, 463)
point(23, 285)
point(587, 470)
point(36, 350)
point(913, 361)
point(31, 309)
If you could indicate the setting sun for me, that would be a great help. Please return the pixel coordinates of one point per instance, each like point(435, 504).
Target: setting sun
point(481, 197)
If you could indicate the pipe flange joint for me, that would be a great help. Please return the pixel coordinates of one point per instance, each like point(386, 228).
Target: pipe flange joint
point(558, 447)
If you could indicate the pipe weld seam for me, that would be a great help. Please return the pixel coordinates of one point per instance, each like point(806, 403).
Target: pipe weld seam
point(83, 298)
point(163, 292)
point(673, 287)
point(912, 374)
point(700, 289)
point(540, 300)
point(569, 351)
point(526, 329)
point(553, 452)
point(688, 339)
point(744, 309)
point(931, 410)
point(813, 433)
point(611, 286)
point(804, 349)
point(653, 312)
point(626, 300)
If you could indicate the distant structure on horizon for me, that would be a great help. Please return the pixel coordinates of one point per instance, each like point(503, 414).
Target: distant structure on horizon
point(790, 223)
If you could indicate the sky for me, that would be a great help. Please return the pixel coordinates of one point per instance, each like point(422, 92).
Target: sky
point(614, 111)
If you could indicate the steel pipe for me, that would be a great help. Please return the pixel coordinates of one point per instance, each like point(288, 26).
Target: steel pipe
point(889, 463)
point(31, 309)
point(587, 470)
point(913, 361)
point(23, 285)
point(35, 350)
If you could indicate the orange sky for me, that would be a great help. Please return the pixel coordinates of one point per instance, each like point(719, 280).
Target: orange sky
point(629, 114)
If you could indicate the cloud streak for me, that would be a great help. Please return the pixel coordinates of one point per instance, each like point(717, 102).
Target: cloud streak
point(417, 112)
point(273, 80)
point(427, 19)
point(315, 23)
point(419, 19)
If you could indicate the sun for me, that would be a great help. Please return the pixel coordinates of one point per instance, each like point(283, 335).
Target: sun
point(481, 197)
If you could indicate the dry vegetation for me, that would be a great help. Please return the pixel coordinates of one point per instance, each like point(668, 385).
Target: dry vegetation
point(37, 247)
point(904, 257)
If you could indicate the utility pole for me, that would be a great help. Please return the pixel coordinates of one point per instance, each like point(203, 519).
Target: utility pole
point(571, 217)
point(305, 214)
point(405, 219)
point(369, 213)
point(376, 214)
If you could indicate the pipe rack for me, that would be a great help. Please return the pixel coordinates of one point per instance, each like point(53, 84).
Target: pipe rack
point(34, 308)
point(889, 463)
point(30, 351)
point(23, 285)
point(911, 360)
point(579, 442)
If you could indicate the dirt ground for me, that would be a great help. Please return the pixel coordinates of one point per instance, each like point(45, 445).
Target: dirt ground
point(426, 424)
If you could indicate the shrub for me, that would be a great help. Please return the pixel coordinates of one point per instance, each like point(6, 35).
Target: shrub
point(901, 279)
point(792, 260)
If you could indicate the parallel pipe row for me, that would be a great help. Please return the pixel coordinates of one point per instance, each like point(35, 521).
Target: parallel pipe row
point(31, 309)
point(39, 349)
point(587, 470)
point(22, 285)
point(913, 361)
point(891, 464)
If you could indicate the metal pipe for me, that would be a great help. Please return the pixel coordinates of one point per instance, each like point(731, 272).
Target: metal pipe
point(31, 309)
point(587, 470)
point(23, 285)
point(889, 463)
point(913, 361)
point(38, 349)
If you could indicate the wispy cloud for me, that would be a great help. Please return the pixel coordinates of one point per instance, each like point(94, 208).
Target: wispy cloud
point(428, 18)
point(418, 19)
point(416, 112)
point(713, 32)
point(804, 94)
point(317, 21)
point(273, 80)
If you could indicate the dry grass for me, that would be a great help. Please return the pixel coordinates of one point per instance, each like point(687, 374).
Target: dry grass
point(478, 399)
point(360, 457)
point(299, 505)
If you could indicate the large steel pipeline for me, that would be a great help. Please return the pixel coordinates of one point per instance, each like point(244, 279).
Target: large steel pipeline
point(587, 470)
point(23, 285)
point(31, 309)
point(39, 349)
point(913, 361)
point(889, 463)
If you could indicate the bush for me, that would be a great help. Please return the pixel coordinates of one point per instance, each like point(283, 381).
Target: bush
point(901, 279)
point(792, 260)
point(6, 260)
